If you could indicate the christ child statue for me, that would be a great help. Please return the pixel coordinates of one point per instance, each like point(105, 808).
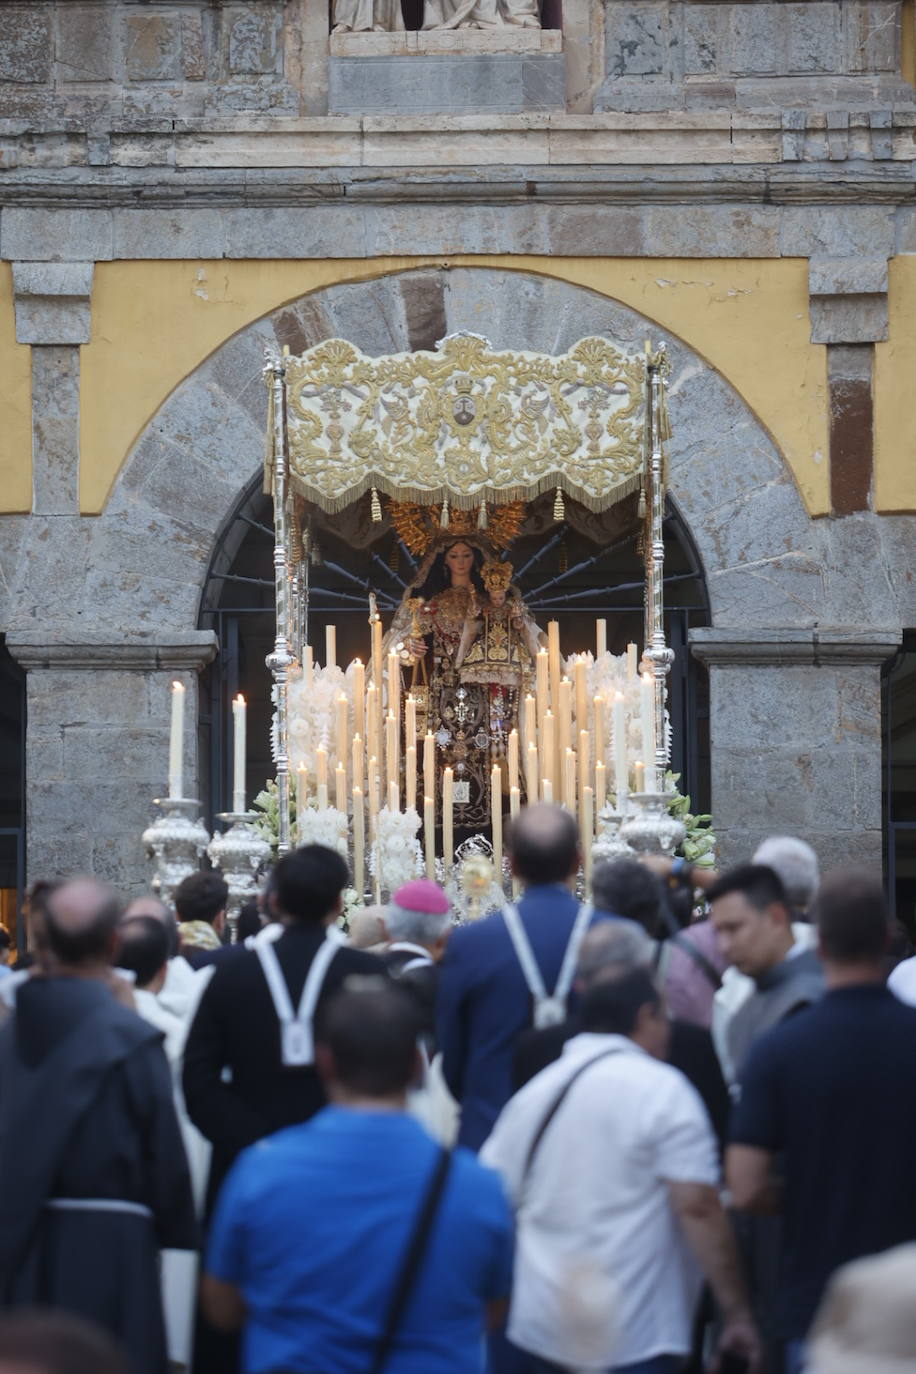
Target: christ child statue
point(499, 639)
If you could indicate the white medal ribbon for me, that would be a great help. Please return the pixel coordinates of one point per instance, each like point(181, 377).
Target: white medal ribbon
point(297, 1039)
point(549, 1009)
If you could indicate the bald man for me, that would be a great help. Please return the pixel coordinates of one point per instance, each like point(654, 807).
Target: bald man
point(513, 969)
point(93, 1167)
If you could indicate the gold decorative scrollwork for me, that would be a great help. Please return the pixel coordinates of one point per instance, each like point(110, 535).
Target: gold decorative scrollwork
point(466, 422)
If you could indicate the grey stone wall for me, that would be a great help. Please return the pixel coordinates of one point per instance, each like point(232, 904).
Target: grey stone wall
point(795, 719)
point(91, 60)
point(97, 746)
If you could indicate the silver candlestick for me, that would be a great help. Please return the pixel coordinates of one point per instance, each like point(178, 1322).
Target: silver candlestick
point(175, 842)
point(238, 853)
point(610, 843)
point(651, 829)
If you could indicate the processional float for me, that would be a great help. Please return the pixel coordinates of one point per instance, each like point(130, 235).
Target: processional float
point(466, 431)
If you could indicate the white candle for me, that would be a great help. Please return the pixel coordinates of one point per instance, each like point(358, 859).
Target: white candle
point(553, 655)
point(321, 766)
point(580, 671)
point(583, 759)
point(330, 646)
point(373, 743)
point(373, 800)
point(588, 831)
point(598, 707)
point(343, 712)
point(620, 750)
point(569, 780)
point(410, 777)
point(631, 662)
point(600, 638)
point(531, 774)
point(564, 723)
point(176, 741)
point(429, 835)
point(512, 758)
point(394, 800)
point(515, 802)
point(496, 817)
point(600, 785)
point(542, 687)
point(638, 771)
point(340, 788)
point(410, 721)
point(322, 796)
point(359, 698)
point(429, 765)
point(301, 799)
point(377, 652)
point(238, 769)
point(647, 705)
point(391, 751)
point(448, 818)
point(529, 716)
point(546, 790)
point(359, 843)
point(357, 761)
point(394, 685)
point(548, 751)
point(309, 665)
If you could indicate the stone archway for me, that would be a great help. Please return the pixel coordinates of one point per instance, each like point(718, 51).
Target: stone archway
point(128, 607)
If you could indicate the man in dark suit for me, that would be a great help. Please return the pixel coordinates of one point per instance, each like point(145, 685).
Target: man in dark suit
point(254, 1020)
point(487, 995)
point(238, 1027)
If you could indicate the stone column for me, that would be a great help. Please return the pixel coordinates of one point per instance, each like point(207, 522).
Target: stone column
point(795, 736)
point(97, 746)
point(52, 314)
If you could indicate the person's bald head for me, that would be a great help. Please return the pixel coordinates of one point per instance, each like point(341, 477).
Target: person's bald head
point(81, 918)
point(543, 844)
point(150, 905)
point(367, 927)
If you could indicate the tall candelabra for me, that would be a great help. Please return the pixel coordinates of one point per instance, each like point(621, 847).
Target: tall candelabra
point(239, 853)
point(175, 841)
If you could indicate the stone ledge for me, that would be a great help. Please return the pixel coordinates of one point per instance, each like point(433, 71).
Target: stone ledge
point(144, 653)
point(448, 42)
point(727, 648)
point(52, 302)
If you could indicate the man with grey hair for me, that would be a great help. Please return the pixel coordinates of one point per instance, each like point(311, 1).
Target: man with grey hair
point(795, 862)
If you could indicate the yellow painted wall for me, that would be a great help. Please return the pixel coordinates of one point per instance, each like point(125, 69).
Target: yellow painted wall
point(154, 322)
point(894, 379)
point(16, 402)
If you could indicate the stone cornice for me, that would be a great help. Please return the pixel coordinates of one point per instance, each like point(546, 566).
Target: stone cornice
point(144, 653)
point(728, 648)
point(796, 157)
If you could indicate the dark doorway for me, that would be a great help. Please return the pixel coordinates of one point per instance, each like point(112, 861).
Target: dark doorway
point(575, 573)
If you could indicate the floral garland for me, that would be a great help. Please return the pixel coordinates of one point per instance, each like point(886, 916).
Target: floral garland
point(396, 857)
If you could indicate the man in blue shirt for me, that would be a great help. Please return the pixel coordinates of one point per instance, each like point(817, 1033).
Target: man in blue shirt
point(830, 1096)
point(313, 1223)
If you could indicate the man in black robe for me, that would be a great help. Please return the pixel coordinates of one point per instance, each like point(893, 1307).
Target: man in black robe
point(94, 1174)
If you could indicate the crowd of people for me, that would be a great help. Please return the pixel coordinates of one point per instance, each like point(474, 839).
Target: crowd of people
point(665, 1128)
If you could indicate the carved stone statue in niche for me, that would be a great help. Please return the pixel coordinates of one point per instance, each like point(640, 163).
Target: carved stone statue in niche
point(368, 16)
point(481, 14)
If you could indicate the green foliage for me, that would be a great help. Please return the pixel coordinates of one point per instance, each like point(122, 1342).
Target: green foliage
point(699, 844)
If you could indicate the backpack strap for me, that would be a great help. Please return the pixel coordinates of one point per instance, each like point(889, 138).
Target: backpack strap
point(556, 1105)
point(410, 1265)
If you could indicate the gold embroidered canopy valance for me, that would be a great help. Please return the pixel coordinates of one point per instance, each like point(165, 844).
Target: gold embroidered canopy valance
point(465, 422)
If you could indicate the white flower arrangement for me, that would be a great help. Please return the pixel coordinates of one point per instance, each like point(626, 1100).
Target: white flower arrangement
point(328, 827)
point(396, 857)
point(312, 709)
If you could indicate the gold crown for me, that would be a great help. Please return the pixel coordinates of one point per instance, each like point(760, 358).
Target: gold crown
point(419, 527)
point(496, 576)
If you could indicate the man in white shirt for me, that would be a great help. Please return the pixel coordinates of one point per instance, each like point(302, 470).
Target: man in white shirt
point(611, 1163)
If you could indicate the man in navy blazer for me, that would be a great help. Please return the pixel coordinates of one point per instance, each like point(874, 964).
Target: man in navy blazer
point(484, 1000)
